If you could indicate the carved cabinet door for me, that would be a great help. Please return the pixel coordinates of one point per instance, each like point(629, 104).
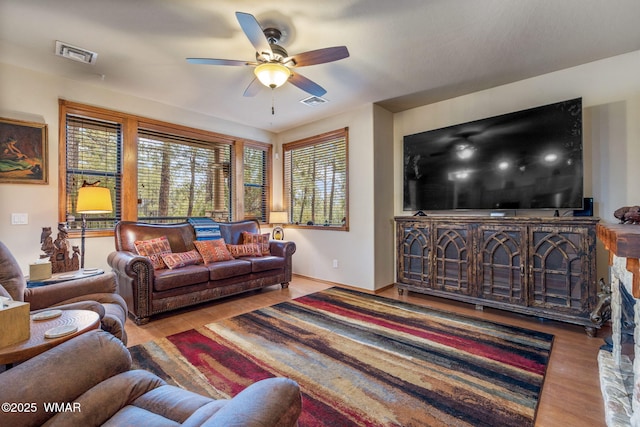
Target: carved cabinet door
point(452, 267)
point(559, 268)
point(414, 253)
point(501, 257)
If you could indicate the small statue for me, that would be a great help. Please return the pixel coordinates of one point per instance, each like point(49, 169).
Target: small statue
point(628, 214)
point(46, 242)
point(61, 240)
point(75, 258)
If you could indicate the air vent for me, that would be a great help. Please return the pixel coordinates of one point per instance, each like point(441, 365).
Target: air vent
point(312, 101)
point(75, 53)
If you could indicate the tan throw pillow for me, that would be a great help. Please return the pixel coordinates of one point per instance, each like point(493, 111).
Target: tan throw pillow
point(261, 239)
point(247, 249)
point(154, 249)
point(213, 250)
point(182, 259)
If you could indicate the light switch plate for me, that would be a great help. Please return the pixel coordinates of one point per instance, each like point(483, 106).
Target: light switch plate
point(19, 218)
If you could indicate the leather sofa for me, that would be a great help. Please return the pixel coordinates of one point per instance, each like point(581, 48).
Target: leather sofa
point(148, 291)
point(96, 293)
point(90, 378)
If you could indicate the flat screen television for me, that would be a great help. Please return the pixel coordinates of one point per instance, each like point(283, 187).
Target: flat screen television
point(530, 159)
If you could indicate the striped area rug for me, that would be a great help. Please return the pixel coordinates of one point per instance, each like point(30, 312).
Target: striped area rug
point(365, 360)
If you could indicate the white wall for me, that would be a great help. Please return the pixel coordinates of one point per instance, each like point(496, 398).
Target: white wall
point(384, 228)
point(33, 96)
point(354, 249)
point(610, 91)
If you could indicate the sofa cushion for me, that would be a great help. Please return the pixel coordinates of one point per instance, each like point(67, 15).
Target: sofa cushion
point(248, 249)
point(226, 269)
point(154, 249)
point(182, 259)
point(266, 263)
point(260, 239)
point(170, 279)
point(213, 250)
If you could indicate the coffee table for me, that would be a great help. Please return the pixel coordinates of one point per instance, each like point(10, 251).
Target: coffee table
point(84, 320)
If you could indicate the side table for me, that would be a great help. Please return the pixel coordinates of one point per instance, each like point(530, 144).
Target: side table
point(64, 277)
point(84, 320)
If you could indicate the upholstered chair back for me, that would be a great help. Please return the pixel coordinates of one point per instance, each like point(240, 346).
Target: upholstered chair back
point(180, 236)
point(11, 277)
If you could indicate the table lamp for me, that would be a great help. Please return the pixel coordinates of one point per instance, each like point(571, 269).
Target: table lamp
point(278, 218)
point(91, 200)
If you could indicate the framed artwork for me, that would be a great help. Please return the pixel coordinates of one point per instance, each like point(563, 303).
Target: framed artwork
point(23, 152)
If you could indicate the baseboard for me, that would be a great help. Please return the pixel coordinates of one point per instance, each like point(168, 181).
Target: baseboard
point(342, 285)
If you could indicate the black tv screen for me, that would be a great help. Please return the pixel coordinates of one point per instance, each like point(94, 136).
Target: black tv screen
point(530, 159)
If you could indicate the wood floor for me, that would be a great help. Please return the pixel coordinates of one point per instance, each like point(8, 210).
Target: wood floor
point(571, 394)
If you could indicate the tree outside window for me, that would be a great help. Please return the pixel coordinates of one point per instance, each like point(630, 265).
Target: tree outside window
point(316, 180)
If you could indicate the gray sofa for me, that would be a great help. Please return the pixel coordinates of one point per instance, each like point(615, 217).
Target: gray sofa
point(148, 292)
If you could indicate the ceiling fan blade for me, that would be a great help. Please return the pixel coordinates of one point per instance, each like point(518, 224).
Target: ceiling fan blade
point(253, 88)
point(320, 56)
point(212, 61)
point(307, 85)
point(253, 31)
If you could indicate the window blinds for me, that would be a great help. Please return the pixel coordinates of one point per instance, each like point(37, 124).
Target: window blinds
point(316, 180)
point(181, 177)
point(255, 183)
point(93, 150)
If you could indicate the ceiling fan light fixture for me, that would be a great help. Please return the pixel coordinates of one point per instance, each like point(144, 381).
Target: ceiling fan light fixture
point(272, 74)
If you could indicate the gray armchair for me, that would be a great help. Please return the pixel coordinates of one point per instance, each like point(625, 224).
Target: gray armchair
point(92, 374)
point(96, 293)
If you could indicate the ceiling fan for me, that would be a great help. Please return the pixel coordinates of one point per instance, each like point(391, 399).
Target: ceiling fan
point(273, 65)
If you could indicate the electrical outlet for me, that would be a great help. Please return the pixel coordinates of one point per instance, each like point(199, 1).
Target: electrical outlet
point(19, 218)
point(335, 263)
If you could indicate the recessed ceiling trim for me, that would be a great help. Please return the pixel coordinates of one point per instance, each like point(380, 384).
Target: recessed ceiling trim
point(75, 53)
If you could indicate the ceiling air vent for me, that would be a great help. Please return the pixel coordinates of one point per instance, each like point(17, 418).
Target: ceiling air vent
point(313, 101)
point(75, 53)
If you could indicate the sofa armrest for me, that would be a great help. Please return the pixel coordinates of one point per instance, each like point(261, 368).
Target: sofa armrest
point(62, 374)
point(282, 248)
point(56, 293)
point(135, 277)
point(285, 250)
point(270, 402)
point(90, 305)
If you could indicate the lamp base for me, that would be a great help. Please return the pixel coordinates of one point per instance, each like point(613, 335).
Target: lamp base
point(278, 233)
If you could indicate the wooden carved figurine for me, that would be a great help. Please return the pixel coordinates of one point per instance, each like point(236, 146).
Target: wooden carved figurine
point(46, 243)
point(60, 259)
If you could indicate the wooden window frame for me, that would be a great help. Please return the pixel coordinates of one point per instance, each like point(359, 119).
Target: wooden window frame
point(129, 188)
point(307, 142)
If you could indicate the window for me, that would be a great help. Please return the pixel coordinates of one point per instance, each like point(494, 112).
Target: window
point(158, 171)
point(181, 177)
point(93, 151)
point(256, 183)
point(316, 180)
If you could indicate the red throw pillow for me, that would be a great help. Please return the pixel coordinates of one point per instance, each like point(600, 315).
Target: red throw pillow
point(154, 249)
point(261, 239)
point(213, 250)
point(247, 249)
point(181, 259)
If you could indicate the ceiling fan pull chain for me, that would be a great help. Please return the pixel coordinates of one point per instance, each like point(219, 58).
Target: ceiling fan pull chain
point(273, 110)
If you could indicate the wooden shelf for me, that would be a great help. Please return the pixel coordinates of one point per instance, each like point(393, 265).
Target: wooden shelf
point(623, 240)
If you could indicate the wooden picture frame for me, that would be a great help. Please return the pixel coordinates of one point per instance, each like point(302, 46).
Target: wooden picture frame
point(23, 152)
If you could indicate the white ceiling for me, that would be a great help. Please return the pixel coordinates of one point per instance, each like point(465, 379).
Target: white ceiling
point(404, 53)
